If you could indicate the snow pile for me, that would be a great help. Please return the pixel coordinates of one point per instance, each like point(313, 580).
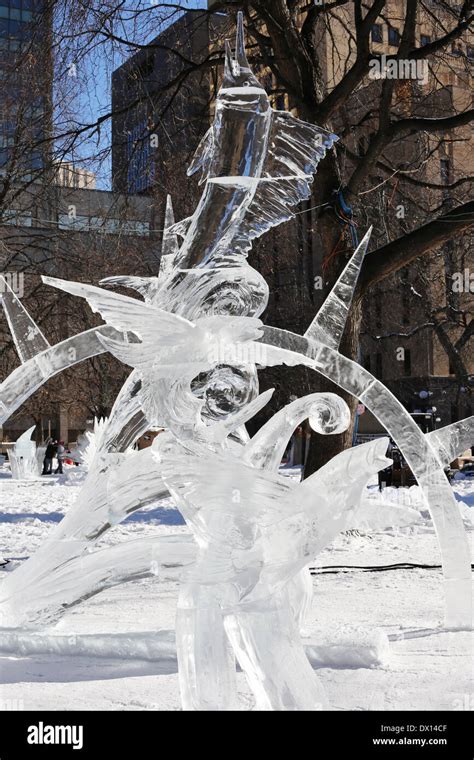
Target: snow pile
point(149, 645)
point(349, 647)
point(76, 475)
point(346, 647)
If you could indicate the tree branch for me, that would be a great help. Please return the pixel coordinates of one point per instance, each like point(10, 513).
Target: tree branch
point(431, 125)
point(395, 255)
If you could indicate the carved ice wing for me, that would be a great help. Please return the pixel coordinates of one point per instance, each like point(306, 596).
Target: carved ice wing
point(295, 150)
point(128, 314)
point(232, 329)
point(146, 286)
point(137, 355)
point(274, 356)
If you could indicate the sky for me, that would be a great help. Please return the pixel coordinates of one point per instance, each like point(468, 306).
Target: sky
point(94, 99)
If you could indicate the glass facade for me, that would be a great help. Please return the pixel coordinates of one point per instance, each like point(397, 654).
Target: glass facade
point(24, 88)
point(16, 18)
point(140, 172)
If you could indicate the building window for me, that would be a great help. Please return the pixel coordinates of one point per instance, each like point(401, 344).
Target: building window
point(378, 366)
point(377, 33)
point(470, 52)
point(425, 39)
point(407, 363)
point(103, 225)
point(393, 36)
point(66, 222)
point(456, 49)
point(406, 306)
point(445, 170)
point(406, 294)
point(140, 171)
point(378, 310)
point(141, 71)
point(17, 217)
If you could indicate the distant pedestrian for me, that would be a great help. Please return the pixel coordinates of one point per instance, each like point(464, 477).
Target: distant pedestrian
point(48, 459)
point(60, 453)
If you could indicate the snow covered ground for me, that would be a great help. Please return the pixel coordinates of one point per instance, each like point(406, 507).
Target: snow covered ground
point(125, 635)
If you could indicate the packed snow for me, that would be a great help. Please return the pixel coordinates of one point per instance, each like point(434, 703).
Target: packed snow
point(374, 637)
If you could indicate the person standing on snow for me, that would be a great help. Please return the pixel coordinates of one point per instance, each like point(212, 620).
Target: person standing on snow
point(48, 459)
point(60, 456)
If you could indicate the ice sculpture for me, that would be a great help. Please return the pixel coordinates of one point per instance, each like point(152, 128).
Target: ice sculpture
point(30, 375)
point(26, 460)
point(451, 441)
point(321, 342)
point(195, 343)
point(256, 531)
point(26, 334)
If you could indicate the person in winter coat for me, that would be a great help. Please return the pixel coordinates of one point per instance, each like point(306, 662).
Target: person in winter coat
point(60, 453)
point(48, 459)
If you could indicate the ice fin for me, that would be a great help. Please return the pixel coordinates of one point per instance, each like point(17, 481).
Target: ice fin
point(170, 244)
point(25, 438)
point(127, 314)
point(203, 156)
point(180, 228)
point(328, 324)
point(27, 336)
point(229, 67)
point(240, 53)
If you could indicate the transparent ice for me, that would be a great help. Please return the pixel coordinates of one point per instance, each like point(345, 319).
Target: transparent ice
point(26, 459)
point(195, 342)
